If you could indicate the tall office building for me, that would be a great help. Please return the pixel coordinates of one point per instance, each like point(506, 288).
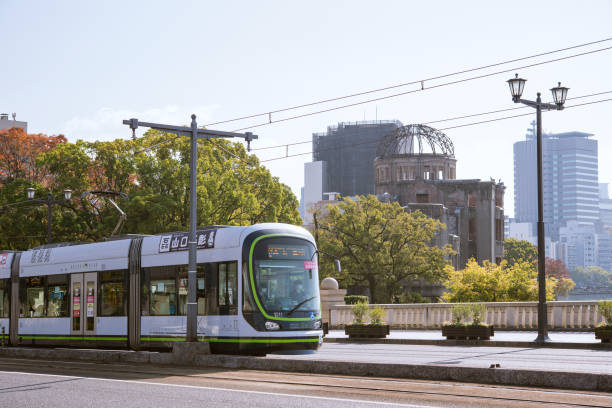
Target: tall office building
point(6, 123)
point(570, 180)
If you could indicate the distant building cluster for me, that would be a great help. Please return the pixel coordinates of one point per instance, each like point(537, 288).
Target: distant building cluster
point(577, 208)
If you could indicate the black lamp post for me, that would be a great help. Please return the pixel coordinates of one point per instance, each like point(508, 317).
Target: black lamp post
point(49, 202)
point(559, 94)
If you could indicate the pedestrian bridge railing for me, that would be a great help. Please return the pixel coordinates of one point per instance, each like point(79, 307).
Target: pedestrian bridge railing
point(503, 315)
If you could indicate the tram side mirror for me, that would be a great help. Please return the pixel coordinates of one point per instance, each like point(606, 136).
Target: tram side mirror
point(337, 265)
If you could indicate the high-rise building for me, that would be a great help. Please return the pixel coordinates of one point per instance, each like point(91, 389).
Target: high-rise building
point(348, 151)
point(570, 180)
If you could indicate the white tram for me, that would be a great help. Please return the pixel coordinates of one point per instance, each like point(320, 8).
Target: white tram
point(257, 291)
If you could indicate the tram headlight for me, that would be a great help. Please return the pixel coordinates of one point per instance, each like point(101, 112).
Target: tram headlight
point(317, 324)
point(272, 326)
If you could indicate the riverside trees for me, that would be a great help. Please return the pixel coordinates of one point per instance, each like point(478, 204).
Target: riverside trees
point(233, 189)
point(381, 246)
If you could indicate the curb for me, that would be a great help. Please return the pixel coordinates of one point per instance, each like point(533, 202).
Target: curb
point(474, 343)
point(497, 376)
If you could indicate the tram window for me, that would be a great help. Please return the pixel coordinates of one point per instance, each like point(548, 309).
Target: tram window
point(200, 289)
point(57, 296)
point(5, 290)
point(228, 288)
point(112, 300)
point(248, 304)
point(34, 297)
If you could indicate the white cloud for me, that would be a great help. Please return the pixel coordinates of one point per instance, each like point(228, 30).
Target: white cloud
point(107, 123)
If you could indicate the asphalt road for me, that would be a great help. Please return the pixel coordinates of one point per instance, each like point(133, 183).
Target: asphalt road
point(30, 383)
point(549, 359)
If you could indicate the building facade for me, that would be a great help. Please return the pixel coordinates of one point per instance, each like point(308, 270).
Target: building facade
point(347, 151)
point(415, 166)
point(570, 180)
point(6, 123)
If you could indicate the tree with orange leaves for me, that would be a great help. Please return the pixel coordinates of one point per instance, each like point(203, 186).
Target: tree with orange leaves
point(18, 153)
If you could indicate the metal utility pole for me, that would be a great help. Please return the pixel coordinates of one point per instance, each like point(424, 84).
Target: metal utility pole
point(559, 95)
point(49, 202)
point(194, 133)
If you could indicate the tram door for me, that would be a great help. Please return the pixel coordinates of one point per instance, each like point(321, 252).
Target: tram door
point(84, 303)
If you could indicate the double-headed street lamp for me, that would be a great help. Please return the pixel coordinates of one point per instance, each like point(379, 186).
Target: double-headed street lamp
point(49, 202)
point(559, 94)
point(194, 133)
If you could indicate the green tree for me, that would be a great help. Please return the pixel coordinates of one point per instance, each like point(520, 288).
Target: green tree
point(516, 250)
point(233, 188)
point(495, 283)
point(592, 276)
point(381, 246)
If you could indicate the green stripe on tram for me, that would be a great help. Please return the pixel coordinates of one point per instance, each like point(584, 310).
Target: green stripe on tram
point(169, 339)
point(73, 338)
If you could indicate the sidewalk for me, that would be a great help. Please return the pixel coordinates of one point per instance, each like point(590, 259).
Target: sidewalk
point(566, 340)
point(513, 336)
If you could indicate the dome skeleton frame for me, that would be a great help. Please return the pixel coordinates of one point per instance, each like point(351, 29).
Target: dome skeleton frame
point(413, 140)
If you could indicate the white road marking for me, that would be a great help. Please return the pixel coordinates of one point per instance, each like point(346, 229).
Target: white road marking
point(225, 389)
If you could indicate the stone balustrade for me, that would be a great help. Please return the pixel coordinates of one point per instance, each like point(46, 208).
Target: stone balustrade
point(502, 315)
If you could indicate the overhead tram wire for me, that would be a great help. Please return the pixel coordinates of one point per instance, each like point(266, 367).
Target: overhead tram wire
point(421, 89)
point(446, 128)
point(417, 82)
point(443, 120)
point(403, 93)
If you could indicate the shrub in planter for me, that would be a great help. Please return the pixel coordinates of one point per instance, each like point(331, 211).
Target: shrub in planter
point(604, 331)
point(376, 315)
point(359, 329)
point(461, 330)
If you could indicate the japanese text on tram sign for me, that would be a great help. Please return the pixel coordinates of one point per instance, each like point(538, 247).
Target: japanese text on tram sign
point(179, 242)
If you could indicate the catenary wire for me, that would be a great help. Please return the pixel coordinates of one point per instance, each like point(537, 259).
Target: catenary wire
point(446, 128)
point(401, 93)
point(443, 120)
point(420, 89)
point(408, 83)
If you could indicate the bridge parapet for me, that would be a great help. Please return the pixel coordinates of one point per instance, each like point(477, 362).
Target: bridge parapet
point(503, 315)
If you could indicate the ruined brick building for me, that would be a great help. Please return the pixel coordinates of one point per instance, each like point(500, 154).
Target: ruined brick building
point(415, 165)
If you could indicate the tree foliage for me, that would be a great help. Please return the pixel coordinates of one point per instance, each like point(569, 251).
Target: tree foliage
point(592, 277)
point(517, 250)
point(380, 245)
point(557, 269)
point(490, 282)
point(19, 151)
point(232, 189)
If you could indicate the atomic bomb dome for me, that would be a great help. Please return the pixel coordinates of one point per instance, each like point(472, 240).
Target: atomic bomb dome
point(414, 152)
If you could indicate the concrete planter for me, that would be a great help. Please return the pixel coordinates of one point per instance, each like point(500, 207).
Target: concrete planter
point(467, 332)
point(604, 333)
point(363, 331)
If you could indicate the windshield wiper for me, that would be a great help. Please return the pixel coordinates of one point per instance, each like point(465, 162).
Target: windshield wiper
point(299, 304)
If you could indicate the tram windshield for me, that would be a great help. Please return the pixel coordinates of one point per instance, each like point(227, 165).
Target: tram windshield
point(286, 276)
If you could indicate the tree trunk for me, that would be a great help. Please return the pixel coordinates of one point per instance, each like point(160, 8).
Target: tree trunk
point(372, 286)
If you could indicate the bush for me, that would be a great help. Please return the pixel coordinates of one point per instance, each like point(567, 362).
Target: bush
point(377, 314)
point(410, 297)
point(605, 309)
point(360, 311)
point(460, 313)
point(354, 299)
point(479, 311)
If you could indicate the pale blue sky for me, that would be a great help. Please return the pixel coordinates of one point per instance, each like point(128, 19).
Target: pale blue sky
point(79, 68)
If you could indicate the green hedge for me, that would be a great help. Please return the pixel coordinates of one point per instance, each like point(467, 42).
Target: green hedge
point(353, 299)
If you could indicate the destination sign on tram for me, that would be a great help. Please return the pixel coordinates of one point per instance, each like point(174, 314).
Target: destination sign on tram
point(287, 252)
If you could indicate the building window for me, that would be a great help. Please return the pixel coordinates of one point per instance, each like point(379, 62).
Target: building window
point(422, 198)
